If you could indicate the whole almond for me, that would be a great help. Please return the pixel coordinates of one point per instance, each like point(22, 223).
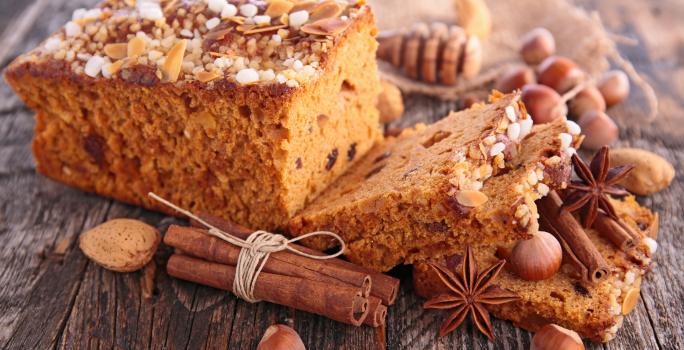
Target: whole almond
point(651, 173)
point(122, 245)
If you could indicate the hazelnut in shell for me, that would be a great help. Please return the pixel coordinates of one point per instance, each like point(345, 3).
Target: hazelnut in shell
point(559, 73)
point(280, 337)
point(514, 78)
point(537, 45)
point(554, 337)
point(542, 103)
point(537, 258)
point(614, 86)
point(588, 99)
point(598, 128)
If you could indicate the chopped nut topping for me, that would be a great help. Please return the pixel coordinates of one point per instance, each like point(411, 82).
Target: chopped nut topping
point(282, 41)
point(174, 60)
point(471, 198)
point(630, 300)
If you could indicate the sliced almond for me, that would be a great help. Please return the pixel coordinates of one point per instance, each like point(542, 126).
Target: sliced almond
point(236, 19)
point(115, 67)
point(205, 76)
point(130, 3)
point(285, 19)
point(277, 8)
point(264, 29)
point(304, 5)
point(327, 26)
point(218, 34)
point(470, 198)
point(245, 27)
point(630, 300)
point(116, 51)
point(174, 60)
point(135, 47)
point(327, 9)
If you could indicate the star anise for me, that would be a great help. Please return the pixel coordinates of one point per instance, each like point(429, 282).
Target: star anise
point(468, 293)
point(596, 182)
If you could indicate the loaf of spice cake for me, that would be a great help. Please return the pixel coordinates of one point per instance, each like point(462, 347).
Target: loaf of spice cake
point(475, 171)
point(595, 311)
point(242, 109)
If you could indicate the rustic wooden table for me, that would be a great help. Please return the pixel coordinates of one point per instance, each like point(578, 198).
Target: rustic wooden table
point(51, 296)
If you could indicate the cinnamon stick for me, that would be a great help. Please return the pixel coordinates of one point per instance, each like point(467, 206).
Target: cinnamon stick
point(621, 235)
point(376, 312)
point(577, 246)
point(198, 243)
point(343, 304)
point(384, 287)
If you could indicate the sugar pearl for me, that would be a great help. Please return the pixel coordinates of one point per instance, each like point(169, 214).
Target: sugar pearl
point(497, 149)
point(212, 23)
point(513, 131)
point(261, 20)
point(566, 140)
point(247, 76)
point(297, 19)
point(573, 127)
point(217, 5)
point(525, 127)
point(72, 29)
point(228, 11)
point(150, 10)
point(52, 44)
point(248, 10)
point(510, 113)
point(651, 244)
point(94, 66)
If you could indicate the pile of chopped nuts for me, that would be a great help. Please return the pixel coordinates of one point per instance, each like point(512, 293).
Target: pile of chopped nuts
point(276, 41)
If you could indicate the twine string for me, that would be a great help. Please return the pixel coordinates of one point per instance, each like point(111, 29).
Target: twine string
point(255, 250)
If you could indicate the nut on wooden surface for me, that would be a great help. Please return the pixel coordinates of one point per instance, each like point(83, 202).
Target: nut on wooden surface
point(559, 73)
point(614, 86)
point(474, 17)
point(433, 53)
point(554, 337)
point(542, 103)
point(280, 337)
point(121, 245)
point(586, 100)
point(536, 45)
point(651, 172)
point(390, 102)
point(630, 300)
point(598, 128)
point(514, 78)
point(537, 258)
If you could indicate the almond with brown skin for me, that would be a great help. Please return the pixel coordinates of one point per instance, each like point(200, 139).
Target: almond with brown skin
point(122, 245)
point(390, 102)
point(280, 337)
point(651, 173)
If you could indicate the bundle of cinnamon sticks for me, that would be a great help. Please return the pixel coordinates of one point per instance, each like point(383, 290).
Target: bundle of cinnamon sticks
point(333, 288)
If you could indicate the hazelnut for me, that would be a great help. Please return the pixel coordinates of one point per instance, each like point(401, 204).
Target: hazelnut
point(542, 103)
point(599, 130)
point(537, 45)
point(588, 99)
point(559, 73)
point(614, 86)
point(280, 337)
point(537, 258)
point(554, 337)
point(390, 103)
point(514, 78)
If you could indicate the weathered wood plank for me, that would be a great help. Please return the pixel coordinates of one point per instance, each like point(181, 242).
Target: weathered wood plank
point(76, 304)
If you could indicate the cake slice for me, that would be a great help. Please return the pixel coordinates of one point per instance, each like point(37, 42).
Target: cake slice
point(594, 311)
point(418, 194)
point(243, 109)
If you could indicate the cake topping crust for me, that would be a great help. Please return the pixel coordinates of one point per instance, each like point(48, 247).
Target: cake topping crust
point(245, 42)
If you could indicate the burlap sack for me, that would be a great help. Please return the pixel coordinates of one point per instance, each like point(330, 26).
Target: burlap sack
point(579, 36)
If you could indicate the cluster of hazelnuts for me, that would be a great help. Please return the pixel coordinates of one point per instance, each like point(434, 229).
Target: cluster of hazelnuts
point(546, 77)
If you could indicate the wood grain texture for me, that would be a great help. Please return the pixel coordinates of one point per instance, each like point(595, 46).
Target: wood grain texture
point(54, 300)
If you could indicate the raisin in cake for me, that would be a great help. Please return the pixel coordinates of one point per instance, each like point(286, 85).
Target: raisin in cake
point(415, 195)
point(594, 311)
point(243, 109)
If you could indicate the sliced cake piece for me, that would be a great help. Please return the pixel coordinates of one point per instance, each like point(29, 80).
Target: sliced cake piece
point(417, 194)
point(594, 311)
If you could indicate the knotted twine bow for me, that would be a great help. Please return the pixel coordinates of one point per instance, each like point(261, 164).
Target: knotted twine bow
point(255, 250)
